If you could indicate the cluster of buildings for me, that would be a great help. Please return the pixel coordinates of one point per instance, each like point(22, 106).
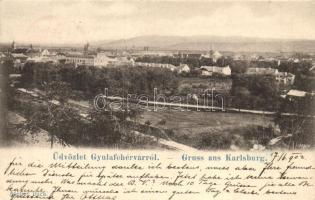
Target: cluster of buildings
point(285, 78)
point(281, 77)
point(21, 55)
point(107, 59)
point(214, 56)
point(29, 54)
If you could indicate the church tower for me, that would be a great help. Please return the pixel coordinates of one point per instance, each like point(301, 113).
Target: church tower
point(86, 49)
point(13, 46)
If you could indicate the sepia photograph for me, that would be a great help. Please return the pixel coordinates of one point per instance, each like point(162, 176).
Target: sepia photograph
point(157, 99)
point(158, 75)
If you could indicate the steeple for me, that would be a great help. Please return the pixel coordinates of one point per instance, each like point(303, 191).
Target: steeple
point(13, 45)
point(86, 48)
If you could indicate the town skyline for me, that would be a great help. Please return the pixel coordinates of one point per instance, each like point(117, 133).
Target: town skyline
point(189, 43)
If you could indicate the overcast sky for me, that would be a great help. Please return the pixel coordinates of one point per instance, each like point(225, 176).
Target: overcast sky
point(81, 21)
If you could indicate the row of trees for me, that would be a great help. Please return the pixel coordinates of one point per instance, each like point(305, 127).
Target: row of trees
point(92, 80)
point(297, 68)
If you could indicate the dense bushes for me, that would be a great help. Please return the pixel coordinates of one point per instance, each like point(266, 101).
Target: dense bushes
point(215, 140)
point(255, 92)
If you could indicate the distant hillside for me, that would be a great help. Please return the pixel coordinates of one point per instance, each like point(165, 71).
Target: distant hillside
point(236, 44)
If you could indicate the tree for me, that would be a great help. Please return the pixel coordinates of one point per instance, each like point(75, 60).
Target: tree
point(255, 92)
point(6, 66)
point(241, 97)
point(55, 116)
point(300, 125)
point(239, 66)
point(103, 129)
point(148, 123)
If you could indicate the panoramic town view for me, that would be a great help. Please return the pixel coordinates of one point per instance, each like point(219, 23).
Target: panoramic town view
point(131, 84)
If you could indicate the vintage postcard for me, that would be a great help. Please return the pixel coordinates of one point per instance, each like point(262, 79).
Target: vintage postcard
point(157, 100)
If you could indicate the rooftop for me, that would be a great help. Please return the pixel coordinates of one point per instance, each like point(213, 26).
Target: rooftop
point(296, 93)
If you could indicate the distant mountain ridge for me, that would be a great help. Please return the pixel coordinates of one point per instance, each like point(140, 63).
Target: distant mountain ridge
point(231, 43)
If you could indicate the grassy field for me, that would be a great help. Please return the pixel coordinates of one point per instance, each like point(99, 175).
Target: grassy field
point(189, 127)
point(196, 122)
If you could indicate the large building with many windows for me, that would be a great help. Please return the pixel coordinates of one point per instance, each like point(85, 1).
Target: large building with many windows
point(99, 60)
point(80, 60)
